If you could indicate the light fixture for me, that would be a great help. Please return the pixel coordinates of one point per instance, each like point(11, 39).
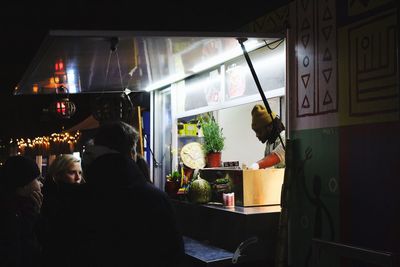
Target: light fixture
point(63, 108)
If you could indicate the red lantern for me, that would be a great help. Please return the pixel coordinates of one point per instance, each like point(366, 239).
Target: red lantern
point(63, 108)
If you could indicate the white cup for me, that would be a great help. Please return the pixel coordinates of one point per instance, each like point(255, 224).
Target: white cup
point(229, 199)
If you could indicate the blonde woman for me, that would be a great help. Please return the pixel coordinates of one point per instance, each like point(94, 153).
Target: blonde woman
point(66, 169)
point(63, 191)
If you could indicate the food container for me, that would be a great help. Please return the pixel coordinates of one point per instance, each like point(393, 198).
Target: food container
point(191, 129)
point(251, 187)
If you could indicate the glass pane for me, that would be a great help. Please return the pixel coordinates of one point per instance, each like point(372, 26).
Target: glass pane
point(163, 137)
point(269, 66)
point(108, 61)
point(200, 91)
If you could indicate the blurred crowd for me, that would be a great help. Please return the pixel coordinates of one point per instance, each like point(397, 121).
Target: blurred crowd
point(103, 211)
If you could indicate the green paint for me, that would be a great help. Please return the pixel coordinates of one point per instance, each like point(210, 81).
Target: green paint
point(322, 148)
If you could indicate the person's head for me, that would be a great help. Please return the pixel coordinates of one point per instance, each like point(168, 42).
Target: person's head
point(261, 122)
point(20, 175)
point(144, 167)
point(66, 168)
point(118, 136)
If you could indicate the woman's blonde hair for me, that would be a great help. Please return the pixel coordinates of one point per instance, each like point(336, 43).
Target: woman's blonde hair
point(60, 166)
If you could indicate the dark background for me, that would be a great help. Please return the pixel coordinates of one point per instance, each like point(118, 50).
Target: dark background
point(24, 25)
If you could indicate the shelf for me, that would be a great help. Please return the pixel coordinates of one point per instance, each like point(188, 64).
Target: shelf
point(248, 210)
point(236, 209)
point(190, 136)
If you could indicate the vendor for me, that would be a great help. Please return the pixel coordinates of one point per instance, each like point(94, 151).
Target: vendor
point(262, 125)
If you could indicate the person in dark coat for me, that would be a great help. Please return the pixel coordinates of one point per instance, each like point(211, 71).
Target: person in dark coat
point(63, 194)
point(129, 222)
point(20, 203)
point(121, 137)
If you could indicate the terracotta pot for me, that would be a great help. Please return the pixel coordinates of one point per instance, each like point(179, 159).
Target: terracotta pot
point(171, 188)
point(214, 159)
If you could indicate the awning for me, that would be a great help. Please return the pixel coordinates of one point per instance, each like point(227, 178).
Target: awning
point(87, 124)
point(70, 62)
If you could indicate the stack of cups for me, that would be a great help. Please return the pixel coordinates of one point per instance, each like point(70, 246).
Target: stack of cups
point(229, 199)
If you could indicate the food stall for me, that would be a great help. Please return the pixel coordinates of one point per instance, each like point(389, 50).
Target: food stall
point(187, 76)
point(227, 91)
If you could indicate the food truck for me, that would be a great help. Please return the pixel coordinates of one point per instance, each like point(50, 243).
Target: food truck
point(186, 76)
point(333, 79)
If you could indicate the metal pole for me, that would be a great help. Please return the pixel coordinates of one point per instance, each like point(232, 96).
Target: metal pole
point(260, 90)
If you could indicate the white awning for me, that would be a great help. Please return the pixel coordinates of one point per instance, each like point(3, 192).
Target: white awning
point(70, 62)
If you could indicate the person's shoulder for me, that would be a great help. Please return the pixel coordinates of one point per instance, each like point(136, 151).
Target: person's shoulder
point(150, 193)
point(152, 189)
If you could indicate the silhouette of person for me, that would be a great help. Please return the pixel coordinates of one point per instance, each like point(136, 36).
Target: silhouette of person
point(20, 203)
point(129, 222)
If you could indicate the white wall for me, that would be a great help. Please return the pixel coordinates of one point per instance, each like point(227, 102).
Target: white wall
point(241, 142)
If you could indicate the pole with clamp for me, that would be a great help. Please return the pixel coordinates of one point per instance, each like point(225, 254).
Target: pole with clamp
point(260, 90)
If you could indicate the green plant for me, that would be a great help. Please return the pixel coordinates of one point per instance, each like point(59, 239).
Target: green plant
point(213, 138)
point(175, 176)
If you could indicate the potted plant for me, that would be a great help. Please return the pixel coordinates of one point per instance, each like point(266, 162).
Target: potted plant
point(173, 183)
point(213, 140)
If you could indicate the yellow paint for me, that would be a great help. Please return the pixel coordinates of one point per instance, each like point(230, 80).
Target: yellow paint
point(357, 7)
point(367, 64)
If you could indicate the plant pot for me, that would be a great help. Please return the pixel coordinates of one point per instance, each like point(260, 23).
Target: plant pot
point(214, 159)
point(171, 188)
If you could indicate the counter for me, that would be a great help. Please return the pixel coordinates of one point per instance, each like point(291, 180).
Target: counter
point(226, 228)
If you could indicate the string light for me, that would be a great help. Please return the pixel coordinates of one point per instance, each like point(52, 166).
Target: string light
point(46, 141)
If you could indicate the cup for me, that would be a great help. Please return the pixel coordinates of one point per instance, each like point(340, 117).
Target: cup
point(229, 199)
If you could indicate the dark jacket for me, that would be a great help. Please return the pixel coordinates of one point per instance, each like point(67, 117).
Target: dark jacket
point(18, 242)
point(129, 222)
point(60, 223)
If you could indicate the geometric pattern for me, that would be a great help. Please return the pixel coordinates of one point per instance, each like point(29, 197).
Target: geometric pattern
point(316, 57)
point(373, 66)
point(357, 7)
point(271, 22)
point(305, 60)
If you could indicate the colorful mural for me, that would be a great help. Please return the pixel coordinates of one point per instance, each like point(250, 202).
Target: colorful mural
point(344, 122)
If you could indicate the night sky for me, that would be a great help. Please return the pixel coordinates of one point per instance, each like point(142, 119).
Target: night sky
point(23, 27)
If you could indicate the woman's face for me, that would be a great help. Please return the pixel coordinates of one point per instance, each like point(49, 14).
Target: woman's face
point(73, 174)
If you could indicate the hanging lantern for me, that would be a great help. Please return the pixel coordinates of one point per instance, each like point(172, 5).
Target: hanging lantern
point(112, 107)
point(63, 108)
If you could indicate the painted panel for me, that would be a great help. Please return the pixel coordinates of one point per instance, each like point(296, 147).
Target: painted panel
point(357, 7)
point(316, 65)
point(314, 200)
point(272, 22)
point(369, 175)
point(305, 58)
point(369, 70)
point(326, 52)
point(316, 58)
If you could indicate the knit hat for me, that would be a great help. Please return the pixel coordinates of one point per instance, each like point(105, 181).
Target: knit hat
point(18, 171)
point(260, 117)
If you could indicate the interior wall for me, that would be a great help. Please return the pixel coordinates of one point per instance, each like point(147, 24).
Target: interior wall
point(241, 143)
